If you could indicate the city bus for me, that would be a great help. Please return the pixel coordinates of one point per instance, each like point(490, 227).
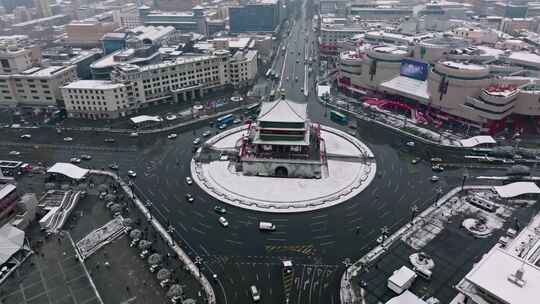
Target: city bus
point(225, 120)
point(338, 117)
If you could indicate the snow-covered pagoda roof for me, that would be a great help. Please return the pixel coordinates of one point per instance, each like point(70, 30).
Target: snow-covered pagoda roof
point(283, 110)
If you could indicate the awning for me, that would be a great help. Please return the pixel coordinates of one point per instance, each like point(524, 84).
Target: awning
point(408, 87)
point(517, 189)
point(477, 140)
point(145, 118)
point(68, 170)
point(11, 240)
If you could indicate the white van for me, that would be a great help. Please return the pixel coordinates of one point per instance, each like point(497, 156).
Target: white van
point(255, 293)
point(267, 226)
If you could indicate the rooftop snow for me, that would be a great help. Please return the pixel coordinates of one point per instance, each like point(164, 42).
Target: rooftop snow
point(68, 170)
point(145, 118)
point(516, 189)
point(283, 110)
point(93, 85)
point(477, 140)
point(493, 274)
point(407, 86)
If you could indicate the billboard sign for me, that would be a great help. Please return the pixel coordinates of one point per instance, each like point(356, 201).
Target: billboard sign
point(414, 69)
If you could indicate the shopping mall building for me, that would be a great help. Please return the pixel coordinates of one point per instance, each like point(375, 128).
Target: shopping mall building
point(446, 79)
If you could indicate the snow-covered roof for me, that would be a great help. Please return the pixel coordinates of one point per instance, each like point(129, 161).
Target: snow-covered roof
point(517, 189)
point(93, 85)
point(11, 240)
point(68, 170)
point(494, 274)
point(283, 110)
point(477, 140)
point(409, 87)
point(406, 297)
point(402, 276)
point(6, 189)
point(145, 118)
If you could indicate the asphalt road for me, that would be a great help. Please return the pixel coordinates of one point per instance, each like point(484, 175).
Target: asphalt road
point(317, 242)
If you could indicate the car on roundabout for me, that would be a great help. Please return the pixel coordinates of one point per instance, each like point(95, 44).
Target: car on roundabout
point(132, 173)
point(172, 136)
point(189, 181)
point(113, 167)
point(68, 139)
point(75, 160)
point(237, 121)
point(220, 209)
point(434, 178)
point(207, 133)
point(222, 126)
point(197, 141)
point(190, 198)
point(14, 153)
point(86, 157)
point(223, 221)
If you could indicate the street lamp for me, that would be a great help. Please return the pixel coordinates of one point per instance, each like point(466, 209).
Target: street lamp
point(347, 263)
point(465, 176)
point(198, 263)
point(439, 192)
point(414, 211)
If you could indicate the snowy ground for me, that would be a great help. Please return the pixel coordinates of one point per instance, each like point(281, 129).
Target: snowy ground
point(227, 142)
point(345, 179)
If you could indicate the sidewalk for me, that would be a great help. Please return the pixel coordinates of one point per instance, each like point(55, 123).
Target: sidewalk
point(193, 269)
point(161, 128)
point(395, 126)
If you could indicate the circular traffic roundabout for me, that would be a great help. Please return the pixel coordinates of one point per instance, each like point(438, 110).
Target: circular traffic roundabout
point(269, 183)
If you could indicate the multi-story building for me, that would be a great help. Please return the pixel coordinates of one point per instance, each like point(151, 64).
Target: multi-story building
point(127, 19)
point(141, 56)
point(27, 27)
point(380, 12)
point(243, 68)
point(188, 21)
point(82, 59)
point(436, 14)
point(511, 10)
point(14, 59)
point(174, 5)
point(486, 88)
point(335, 7)
point(331, 34)
point(43, 7)
point(258, 17)
point(508, 273)
point(183, 79)
point(96, 99)
point(88, 33)
point(36, 87)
